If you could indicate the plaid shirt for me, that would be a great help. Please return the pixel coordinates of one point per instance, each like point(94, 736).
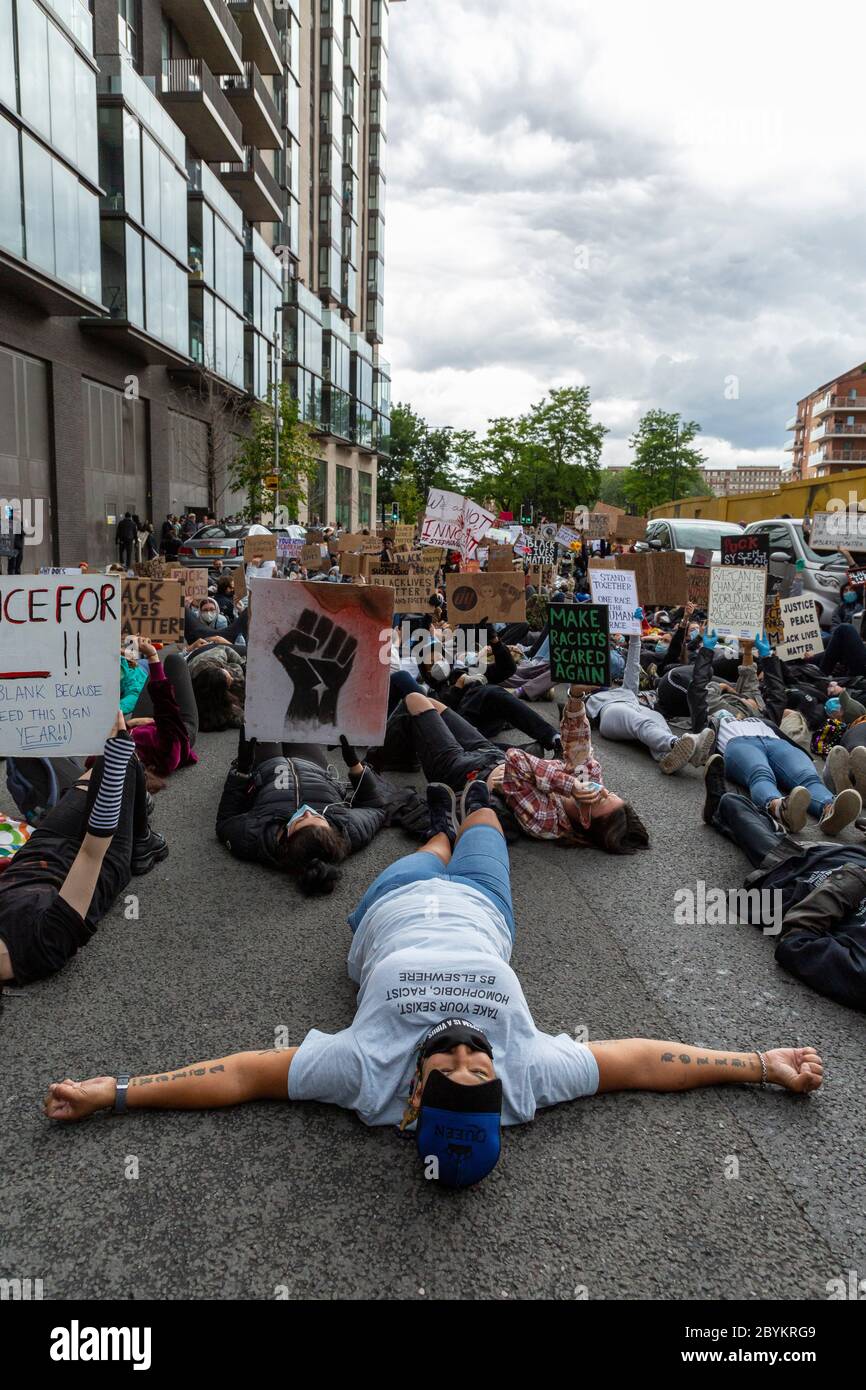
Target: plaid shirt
point(535, 788)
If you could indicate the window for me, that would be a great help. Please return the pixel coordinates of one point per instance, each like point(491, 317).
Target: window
point(127, 29)
point(67, 266)
point(38, 204)
point(11, 229)
point(134, 278)
point(33, 58)
point(365, 499)
point(153, 288)
point(344, 497)
point(61, 85)
point(7, 57)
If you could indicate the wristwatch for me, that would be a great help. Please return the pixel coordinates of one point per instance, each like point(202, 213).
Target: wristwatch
point(122, 1085)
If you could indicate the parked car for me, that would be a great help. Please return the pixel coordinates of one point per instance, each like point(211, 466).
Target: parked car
point(224, 543)
point(822, 573)
point(687, 534)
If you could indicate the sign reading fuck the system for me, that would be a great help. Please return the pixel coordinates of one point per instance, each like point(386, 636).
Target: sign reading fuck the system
point(59, 664)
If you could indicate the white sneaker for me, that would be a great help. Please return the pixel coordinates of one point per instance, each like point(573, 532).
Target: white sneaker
point(838, 768)
point(841, 811)
point(679, 754)
point(857, 769)
point(703, 747)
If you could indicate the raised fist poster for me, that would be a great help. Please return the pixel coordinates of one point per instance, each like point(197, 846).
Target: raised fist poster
point(317, 664)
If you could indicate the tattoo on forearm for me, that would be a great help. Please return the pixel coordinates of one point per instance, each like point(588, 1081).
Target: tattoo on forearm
point(685, 1058)
point(177, 1075)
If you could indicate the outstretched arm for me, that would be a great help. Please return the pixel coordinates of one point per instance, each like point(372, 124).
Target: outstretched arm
point(229, 1080)
point(644, 1064)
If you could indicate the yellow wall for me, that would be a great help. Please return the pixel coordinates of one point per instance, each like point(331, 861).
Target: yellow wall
point(812, 495)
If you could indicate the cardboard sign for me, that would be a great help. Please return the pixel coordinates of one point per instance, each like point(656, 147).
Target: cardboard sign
point(660, 574)
point(360, 544)
point(698, 580)
point(801, 628)
point(579, 643)
point(195, 587)
point(500, 557)
point(702, 557)
point(455, 522)
point(59, 663)
point(542, 552)
point(356, 566)
point(628, 528)
point(263, 546)
point(746, 550)
point(736, 606)
point(773, 623)
point(478, 598)
point(856, 577)
point(617, 589)
point(312, 557)
point(567, 536)
point(313, 662)
point(411, 591)
point(593, 525)
point(835, 530)
point(240, 579)
point(152, 609)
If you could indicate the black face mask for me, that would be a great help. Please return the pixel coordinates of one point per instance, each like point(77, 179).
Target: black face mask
point(450, 1033)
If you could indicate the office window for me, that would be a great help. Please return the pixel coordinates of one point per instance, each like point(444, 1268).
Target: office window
point(344, 496)
point(150, 179)
point(134, 278)
point(127, 28)
point(365, 499)
point(61, 80)
point(153, 288)
point(38, 204)
point(11, 229)
point(33, 58)
point(67, 266)
point(132, 165)
point(7, 58)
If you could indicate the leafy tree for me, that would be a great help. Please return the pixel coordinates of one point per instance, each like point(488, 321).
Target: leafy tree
point(665, 465)
point(561, 428)
point(254, 460)
point(408, 496)
point(612, 488)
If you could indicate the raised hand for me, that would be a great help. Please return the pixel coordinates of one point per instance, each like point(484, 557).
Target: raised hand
point(318, 657)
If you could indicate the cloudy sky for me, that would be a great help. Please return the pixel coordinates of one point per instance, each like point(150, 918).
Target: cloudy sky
point(662, 200)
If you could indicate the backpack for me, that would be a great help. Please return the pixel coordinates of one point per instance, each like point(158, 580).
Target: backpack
point(36, 784)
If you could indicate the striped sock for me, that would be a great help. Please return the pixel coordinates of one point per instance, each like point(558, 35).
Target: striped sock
point(105, 812)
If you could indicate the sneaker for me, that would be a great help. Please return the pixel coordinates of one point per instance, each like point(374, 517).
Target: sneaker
point(794, 809)
point(476, 797)
point(442, 804)
point(857, 770)
point(716, 785)
point(842, 810)
point(146, 854)
point(703, 747)
point(679, 754)
point(839, 769)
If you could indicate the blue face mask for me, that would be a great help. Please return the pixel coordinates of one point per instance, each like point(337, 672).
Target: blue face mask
point(661, 648)
point(849, 597)
point(302, 811)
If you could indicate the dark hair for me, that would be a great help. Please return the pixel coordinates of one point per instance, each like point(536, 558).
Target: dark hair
point(224, 583)
point(621, 832)
point(218, 705)
point(312, 855)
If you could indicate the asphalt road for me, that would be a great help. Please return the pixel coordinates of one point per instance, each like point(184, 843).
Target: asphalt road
point(625, 1196)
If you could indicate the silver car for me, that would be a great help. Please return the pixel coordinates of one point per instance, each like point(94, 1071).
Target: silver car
point(211, 543)
point(688, 534)
point(822, 574)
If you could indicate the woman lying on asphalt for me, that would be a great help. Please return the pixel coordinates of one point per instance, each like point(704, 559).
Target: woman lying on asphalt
point(58, 887)
point(442, 1040)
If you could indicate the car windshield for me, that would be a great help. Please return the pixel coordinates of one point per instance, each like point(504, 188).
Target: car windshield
point(707, 537)
point(217, 532)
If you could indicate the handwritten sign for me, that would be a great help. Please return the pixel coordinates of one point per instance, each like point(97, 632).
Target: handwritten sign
point(542, 551)
point(360, 544)
point(579, 643)
point(617, 589)
point(152, 608)
point(801, 627)
point(313, 555)
point(838, 530)
point(594, 525)
point(263, 546)
point(857, 577)
point(661, 575)
point(500, 557)
point(411, 591)
point(746, 550)
point(289, 548)
point(702, 556)
point(698, 580)
point(736, 605)
point(454, 521)
point(629, 528)
point(59, 664)
point(567, 536)
point(476, 598)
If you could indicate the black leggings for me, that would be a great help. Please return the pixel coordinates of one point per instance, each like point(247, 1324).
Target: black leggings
point(178, 673)
point(845, 648)
point(450, 750)
point(673, 691)
point(251, 753)
point(492, 709)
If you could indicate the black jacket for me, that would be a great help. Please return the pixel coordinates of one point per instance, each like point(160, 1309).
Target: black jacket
point(253, 807)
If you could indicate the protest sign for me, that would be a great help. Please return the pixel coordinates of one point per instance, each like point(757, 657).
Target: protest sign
point(617, 589)
point(315, 535)
point(240, 583)
point(59, 664)
point(314, 662)
point(356, 565)
point(773, 623)
point(454, 521)
point(838, 530)
point(801, 628)
point(746, 550)
point(152, 608)
point(736, 606)
point(494, 598)
point(579, 643)
point(59, 569)
point(661, 575)
point(542, 552)
point(567, 536)
point(857, 577)
point(312, 557)
point(593, 525)
point(698, 581)
point(193, 582)
point(289, 548)
point(500, 557)
point(359, 544)
point(411, 591)
point(702, 557)
point(628, 528)
point(263, 546)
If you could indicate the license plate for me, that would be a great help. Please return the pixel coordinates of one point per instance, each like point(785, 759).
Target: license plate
point(204, 551)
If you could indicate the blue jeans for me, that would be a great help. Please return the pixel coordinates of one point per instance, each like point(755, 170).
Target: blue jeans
point(769, 767)
point(480, 860)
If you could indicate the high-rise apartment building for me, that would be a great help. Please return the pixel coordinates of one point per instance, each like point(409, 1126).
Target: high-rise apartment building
point(192, 198)
point(829, 429)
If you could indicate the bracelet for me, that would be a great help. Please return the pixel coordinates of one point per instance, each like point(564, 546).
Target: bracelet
point(122, 1085)
point(760, 1057)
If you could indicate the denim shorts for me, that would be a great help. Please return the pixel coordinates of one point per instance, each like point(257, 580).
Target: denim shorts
point(480, 860)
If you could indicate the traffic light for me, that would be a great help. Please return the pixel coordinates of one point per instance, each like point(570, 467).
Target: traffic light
point(395, 513)
point(526, 513)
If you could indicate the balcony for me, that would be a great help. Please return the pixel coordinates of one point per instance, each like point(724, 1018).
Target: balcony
point(794, 423)
point(836, 429)
point(261, 41)
point(195, 101)
point(254, 106)
point(840, 456)
point(252, 184)
point(210, 31)
point(831, 403)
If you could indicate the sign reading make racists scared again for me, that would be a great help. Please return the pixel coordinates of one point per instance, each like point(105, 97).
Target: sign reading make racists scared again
point(318, 662)
point(579, 643)
point(59, 664)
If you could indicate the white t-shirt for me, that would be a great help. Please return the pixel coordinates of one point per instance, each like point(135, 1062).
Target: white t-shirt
point(423, 953)
point(742, 728)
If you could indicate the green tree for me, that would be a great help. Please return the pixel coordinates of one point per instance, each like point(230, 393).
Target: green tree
point(612, 488)
point(569, 444)
point(254, 460)
point(665, 466)
point(425, 450)
point(408, 496)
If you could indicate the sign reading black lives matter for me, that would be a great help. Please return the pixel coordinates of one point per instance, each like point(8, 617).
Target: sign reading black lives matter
point(579, 643)
point(542, 551)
